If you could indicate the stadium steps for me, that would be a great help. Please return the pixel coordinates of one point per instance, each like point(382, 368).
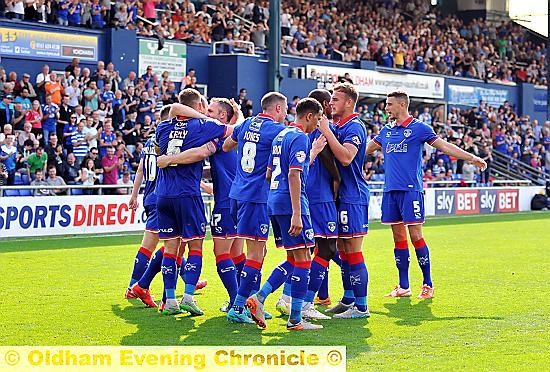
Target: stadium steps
point(505, 167)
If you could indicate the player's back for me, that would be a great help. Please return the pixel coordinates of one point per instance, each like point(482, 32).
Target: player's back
point(319, 181)
point(175, 136)
point(353, 188)
point(289, 150)
point(254, 136)
point(149, 156)
point(222, 169)
point(403, 146)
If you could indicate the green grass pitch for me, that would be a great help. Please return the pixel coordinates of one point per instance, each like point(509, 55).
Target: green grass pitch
point(490, 312)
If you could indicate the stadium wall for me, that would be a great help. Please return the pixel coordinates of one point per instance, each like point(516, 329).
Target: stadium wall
point(74, 215)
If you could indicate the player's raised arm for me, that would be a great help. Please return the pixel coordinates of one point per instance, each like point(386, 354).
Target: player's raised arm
point(177, 109)
point(231, 140)
point(457, 152)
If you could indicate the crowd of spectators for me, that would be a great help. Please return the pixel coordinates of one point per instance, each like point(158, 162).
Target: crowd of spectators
point(82, 127)
point(410, 35)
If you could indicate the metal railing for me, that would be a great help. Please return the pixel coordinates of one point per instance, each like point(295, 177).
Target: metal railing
point(516, 169)
point(245, 47)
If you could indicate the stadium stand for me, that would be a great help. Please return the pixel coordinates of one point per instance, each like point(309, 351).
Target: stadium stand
point(122, 111)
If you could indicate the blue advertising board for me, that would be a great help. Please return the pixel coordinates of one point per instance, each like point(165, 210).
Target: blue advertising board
point(26, 43)
point(470, 95)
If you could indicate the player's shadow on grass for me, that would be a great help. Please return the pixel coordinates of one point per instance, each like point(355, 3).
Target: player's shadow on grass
point(152, 327)
point(408, 313)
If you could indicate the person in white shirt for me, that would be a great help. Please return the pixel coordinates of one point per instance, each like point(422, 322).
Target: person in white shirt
point(124, 181)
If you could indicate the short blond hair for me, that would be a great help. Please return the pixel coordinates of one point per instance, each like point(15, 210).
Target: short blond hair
point(348, 89)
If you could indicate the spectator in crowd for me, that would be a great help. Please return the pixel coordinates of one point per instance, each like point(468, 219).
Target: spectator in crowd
point(71, 171)
point(88, 175)
point(79, 141)
point(36, 160)
point(111, 165)
point(50, 112)
point(106, 138)
point(3, 175)
point(54, 180)
point(8, 158)
point(6, 110)
point(40, 181)
point(125, 180)
point(25, 135)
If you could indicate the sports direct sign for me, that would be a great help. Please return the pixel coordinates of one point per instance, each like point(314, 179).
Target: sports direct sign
point(51, 215)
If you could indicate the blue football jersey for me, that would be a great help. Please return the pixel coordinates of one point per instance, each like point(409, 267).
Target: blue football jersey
point(353, 187)
point(175, 136)
point(319, 181)
point(289, 150)
point(255, 137)
point(403, 145)
point(149, 157)
point(222, 170)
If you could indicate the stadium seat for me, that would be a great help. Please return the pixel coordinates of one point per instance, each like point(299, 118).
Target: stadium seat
point(25, 179)
point(76, 192)
point(11, 192)
point(18, 179)
point(25, 192)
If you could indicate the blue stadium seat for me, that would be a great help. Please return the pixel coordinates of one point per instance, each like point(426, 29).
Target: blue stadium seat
point(18, 179)
point(25, 192)
point(25, 179)
point(76, 192)
point(10, 192)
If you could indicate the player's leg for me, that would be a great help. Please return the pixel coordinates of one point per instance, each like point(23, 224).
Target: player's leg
point(423, 257)
point(169, 219)
point(318, 271)
point(413, 216)
point(392, 215)
point(355, 221)
point(148, 246)
point(278, 276)
point(402, 258)
point(238, 256)
point(253, 225)
point(225, 266)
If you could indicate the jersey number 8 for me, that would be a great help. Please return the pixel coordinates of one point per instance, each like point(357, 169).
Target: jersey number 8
point(248, 158)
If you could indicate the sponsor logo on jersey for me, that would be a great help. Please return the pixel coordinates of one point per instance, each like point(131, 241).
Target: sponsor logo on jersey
point(255, 125)
point(396, 147)
point(356, 140)
point(301, 156)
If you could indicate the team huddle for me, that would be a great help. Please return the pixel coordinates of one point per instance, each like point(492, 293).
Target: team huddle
point(305, 181)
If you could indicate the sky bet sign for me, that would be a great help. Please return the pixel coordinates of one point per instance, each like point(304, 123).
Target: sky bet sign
point(471, 201)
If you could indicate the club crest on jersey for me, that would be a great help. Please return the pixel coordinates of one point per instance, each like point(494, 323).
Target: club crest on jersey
point(407, 133)
point(203, 227)
point(331, 226)
point(301, 156)
point(309, 234)
point(264, 228)
point(388, 134)
point(356, 140)
point(255, 125)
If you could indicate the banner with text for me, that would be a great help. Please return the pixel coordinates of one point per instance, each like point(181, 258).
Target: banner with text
point(470, 96)
point(171, 58)
point(19, 42)
point(374, 82)
point(472, 201)
point(540, 101)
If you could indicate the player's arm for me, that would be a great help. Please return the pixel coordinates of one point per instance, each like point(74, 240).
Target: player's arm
point(177, 109)
point(372, 146)
point(229, 144)
point(133, 203)
point(294, 185)
point(207, 188)
point(457, 152)
point(188, 156)
point(238, 116)
point(344, 153)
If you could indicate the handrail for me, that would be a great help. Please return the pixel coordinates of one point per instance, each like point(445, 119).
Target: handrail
point(249, 46)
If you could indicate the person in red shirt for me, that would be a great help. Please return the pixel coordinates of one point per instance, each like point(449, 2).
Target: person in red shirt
point(111, 164)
